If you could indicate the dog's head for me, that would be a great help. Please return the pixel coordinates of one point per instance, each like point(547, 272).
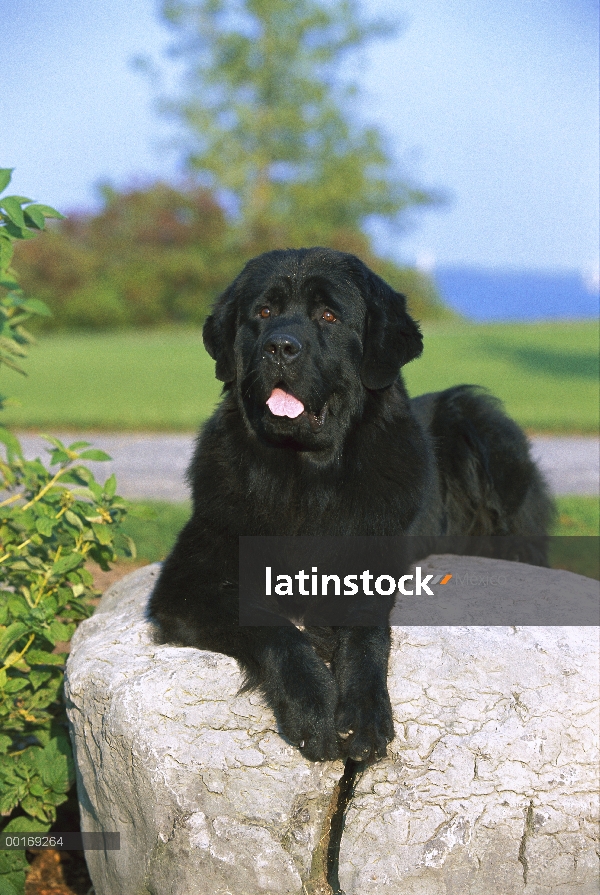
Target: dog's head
point(302, 336)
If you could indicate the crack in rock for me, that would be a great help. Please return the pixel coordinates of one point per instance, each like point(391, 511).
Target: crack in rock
point(528, 830)
point(323, 879)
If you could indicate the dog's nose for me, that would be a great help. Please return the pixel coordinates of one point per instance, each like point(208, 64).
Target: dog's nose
point(282, 348)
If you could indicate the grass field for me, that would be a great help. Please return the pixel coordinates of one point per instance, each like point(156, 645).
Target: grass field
point(546, 373)
point(577, 516)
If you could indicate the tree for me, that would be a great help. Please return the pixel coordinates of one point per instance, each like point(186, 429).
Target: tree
point(268, 126)
point(159, 255)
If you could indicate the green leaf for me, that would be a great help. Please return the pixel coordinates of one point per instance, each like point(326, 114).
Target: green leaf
point(13, 210)
point(13, 231)
point(110, 486)
point(9, 363)
point(95, 454)
point(11, 635)
point(15, 684)
point(38, 789)
point(79, 491)
point(12, 346)
point(78, 444)
point(36, 306)
point(66, 563)
point(20, 565)
point(35, 807)
point(10, 797)
point(53, 441)
point(102, 555)
point(81, 473)
point(57, 798)
point(55, 765)
point(48, 211)
point(85, 576)
point(74, 519)
point(60, 632)
point(5, 176)
point(95, 488)
point(39, 677)
point(58, 456)
point(13, 447)
point(45, 526)
point(14, 876)
point(41, 657)
point(34, 217)
point(18, 606)
point(25, 825)
point(103, 533)
point(132, 548)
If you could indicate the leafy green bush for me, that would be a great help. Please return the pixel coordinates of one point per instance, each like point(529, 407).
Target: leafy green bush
point(147, 257)
point(158, 255)
point(51, 523)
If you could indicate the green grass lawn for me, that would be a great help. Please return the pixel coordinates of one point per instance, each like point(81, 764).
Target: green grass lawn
point(152, 381)
point(577, 516)
point(546, 373)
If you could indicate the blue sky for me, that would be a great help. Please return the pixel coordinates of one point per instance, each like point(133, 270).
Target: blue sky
point(496, 103)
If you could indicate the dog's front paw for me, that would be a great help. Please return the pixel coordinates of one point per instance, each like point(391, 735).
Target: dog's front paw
point(304, 706)
point(365, 725)
point(309, 724)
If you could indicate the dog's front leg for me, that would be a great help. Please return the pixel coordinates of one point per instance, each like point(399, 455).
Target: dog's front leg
point(364, 714)
point(299, 688)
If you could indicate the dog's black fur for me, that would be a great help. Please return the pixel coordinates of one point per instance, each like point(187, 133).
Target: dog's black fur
point(362, 459)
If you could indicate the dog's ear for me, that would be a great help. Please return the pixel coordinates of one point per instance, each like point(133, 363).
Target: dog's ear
point(392, 338)
point(219, 334)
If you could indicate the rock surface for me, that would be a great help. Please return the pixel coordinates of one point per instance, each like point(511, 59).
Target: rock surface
point(492, 781)
point(489, 787)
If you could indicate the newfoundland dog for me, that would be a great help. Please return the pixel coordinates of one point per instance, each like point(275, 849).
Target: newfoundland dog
point(316, 435)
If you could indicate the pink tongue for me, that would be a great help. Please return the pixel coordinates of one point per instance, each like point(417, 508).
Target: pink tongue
point(283, 404)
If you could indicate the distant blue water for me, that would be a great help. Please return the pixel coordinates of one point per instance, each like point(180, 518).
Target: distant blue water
point(516, 295)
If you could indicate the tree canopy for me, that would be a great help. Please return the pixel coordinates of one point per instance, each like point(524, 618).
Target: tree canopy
point(271, 128)
point(276, 157)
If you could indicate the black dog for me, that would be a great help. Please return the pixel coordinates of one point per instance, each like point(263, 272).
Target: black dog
point(316, 435)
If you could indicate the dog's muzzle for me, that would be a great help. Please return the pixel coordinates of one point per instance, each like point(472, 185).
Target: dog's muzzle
point(282, 348)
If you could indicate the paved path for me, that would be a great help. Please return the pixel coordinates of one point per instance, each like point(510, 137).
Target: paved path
point(571, 464)
point(153, 466)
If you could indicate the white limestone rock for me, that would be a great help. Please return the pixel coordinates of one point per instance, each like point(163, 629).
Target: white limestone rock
point(206, 795)
point(490, 785)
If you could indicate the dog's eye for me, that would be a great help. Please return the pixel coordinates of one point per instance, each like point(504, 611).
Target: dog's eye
point(265, 312)
point(329, 316)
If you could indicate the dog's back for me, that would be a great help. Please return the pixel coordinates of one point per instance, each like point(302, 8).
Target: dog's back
point(489, 484)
